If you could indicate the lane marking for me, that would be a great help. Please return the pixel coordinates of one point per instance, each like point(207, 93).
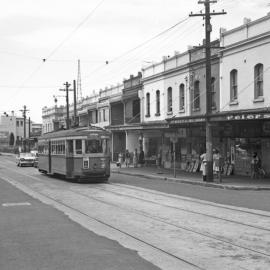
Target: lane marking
point(16, 204)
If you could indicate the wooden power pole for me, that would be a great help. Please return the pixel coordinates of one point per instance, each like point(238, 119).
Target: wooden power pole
point(208, 128)
point(67, 85)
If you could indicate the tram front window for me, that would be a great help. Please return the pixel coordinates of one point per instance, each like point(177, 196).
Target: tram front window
point(93, 146)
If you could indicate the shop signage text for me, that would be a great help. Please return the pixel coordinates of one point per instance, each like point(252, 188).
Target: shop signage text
point(249, 116)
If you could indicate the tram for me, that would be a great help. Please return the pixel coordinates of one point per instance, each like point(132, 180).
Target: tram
point(79, 153)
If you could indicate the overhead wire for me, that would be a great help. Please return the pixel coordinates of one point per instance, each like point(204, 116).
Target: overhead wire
point(145, 50)
point(58, 47)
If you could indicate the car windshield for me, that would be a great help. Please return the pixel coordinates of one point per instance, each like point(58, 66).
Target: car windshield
point(26, 155)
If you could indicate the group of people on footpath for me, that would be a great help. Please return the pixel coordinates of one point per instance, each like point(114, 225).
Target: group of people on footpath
point(256, 170)
point(126, 157)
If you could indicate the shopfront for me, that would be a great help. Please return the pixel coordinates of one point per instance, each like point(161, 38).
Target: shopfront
point(242, 134)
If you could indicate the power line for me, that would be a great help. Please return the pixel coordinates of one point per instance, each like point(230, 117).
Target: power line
point(73, 31)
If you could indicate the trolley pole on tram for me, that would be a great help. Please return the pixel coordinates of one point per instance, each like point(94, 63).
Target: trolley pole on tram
point(207, 46)
point(67, 85)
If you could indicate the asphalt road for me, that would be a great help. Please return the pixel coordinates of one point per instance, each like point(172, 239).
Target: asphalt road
point(151, 224)
point(35, 236)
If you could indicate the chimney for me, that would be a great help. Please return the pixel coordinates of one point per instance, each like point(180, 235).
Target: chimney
point(246, 20)
point(222, 30)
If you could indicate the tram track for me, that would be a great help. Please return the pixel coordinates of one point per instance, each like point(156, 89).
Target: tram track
point(190, 211)
point(174, 225)
point(59, 202)
point(76, 191)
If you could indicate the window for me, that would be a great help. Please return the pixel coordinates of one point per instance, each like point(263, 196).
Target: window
point(196, 100)
point(93, 146)
point(213, 92)
point(181, 96)
point(148, 104)
point(233, 85)
point(99, 116)
point(157, 103)
point(258, 81)
point(70, 147)
point(169, 92)
point(78, 146)
point(17, 123)
point(21, 123)
point(136, 108)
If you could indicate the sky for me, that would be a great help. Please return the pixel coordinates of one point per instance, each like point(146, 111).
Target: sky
point(42, 40)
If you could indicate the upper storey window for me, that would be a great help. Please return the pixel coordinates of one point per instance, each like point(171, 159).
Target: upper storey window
point(148, 104)
point(182, 96)
point(234, 85)
point(169, 96)
point(258, 81)
point(196, 100)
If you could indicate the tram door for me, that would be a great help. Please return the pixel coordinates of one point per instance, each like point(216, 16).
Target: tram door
point(50, 159)
point(69, 158)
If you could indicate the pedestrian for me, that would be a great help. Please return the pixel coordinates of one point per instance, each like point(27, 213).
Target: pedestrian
point(141, 158)
point(135, 158)
point(120, 160)
point(127, 158)
point(216, 157)
point(159, 160)
point(255, 165)
point(203, 165)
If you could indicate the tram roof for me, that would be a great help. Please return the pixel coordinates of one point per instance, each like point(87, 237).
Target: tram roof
point(83, 131)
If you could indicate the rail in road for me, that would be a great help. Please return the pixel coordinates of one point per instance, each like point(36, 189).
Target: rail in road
point(171, 231)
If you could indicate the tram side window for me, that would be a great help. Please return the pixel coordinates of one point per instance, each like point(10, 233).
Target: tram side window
point(78, 146)
point(93, 146)
point(70, 147)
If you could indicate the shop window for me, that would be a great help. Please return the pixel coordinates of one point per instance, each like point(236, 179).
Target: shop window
point(157, 103)
point(147, 104)
point(213, 92)
point(169, 97)
point(258, 81)
point(233, 85)
point(196, 100)
point(181, 96)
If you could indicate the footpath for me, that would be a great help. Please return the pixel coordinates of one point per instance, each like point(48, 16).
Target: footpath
point(227, 182)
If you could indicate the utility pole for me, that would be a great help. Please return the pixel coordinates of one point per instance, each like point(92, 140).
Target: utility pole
point(67, 85)
point(75, 103)
point(24, 127)
point(29, 131)
point(208, 128)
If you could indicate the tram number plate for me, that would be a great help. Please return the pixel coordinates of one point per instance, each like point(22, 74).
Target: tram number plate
point(86, 163)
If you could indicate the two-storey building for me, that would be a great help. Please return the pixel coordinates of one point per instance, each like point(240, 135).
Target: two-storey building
point(244, 117)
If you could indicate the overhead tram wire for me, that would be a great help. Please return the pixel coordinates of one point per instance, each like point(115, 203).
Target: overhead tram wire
point(59, 46)
point(125, 67)
point(138, 46)
point(74, 30)
point(145, 51)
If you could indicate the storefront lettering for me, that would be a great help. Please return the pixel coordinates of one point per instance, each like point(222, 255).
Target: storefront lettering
point(248, 116)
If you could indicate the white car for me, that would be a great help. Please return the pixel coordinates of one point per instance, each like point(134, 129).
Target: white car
point(25, 159)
